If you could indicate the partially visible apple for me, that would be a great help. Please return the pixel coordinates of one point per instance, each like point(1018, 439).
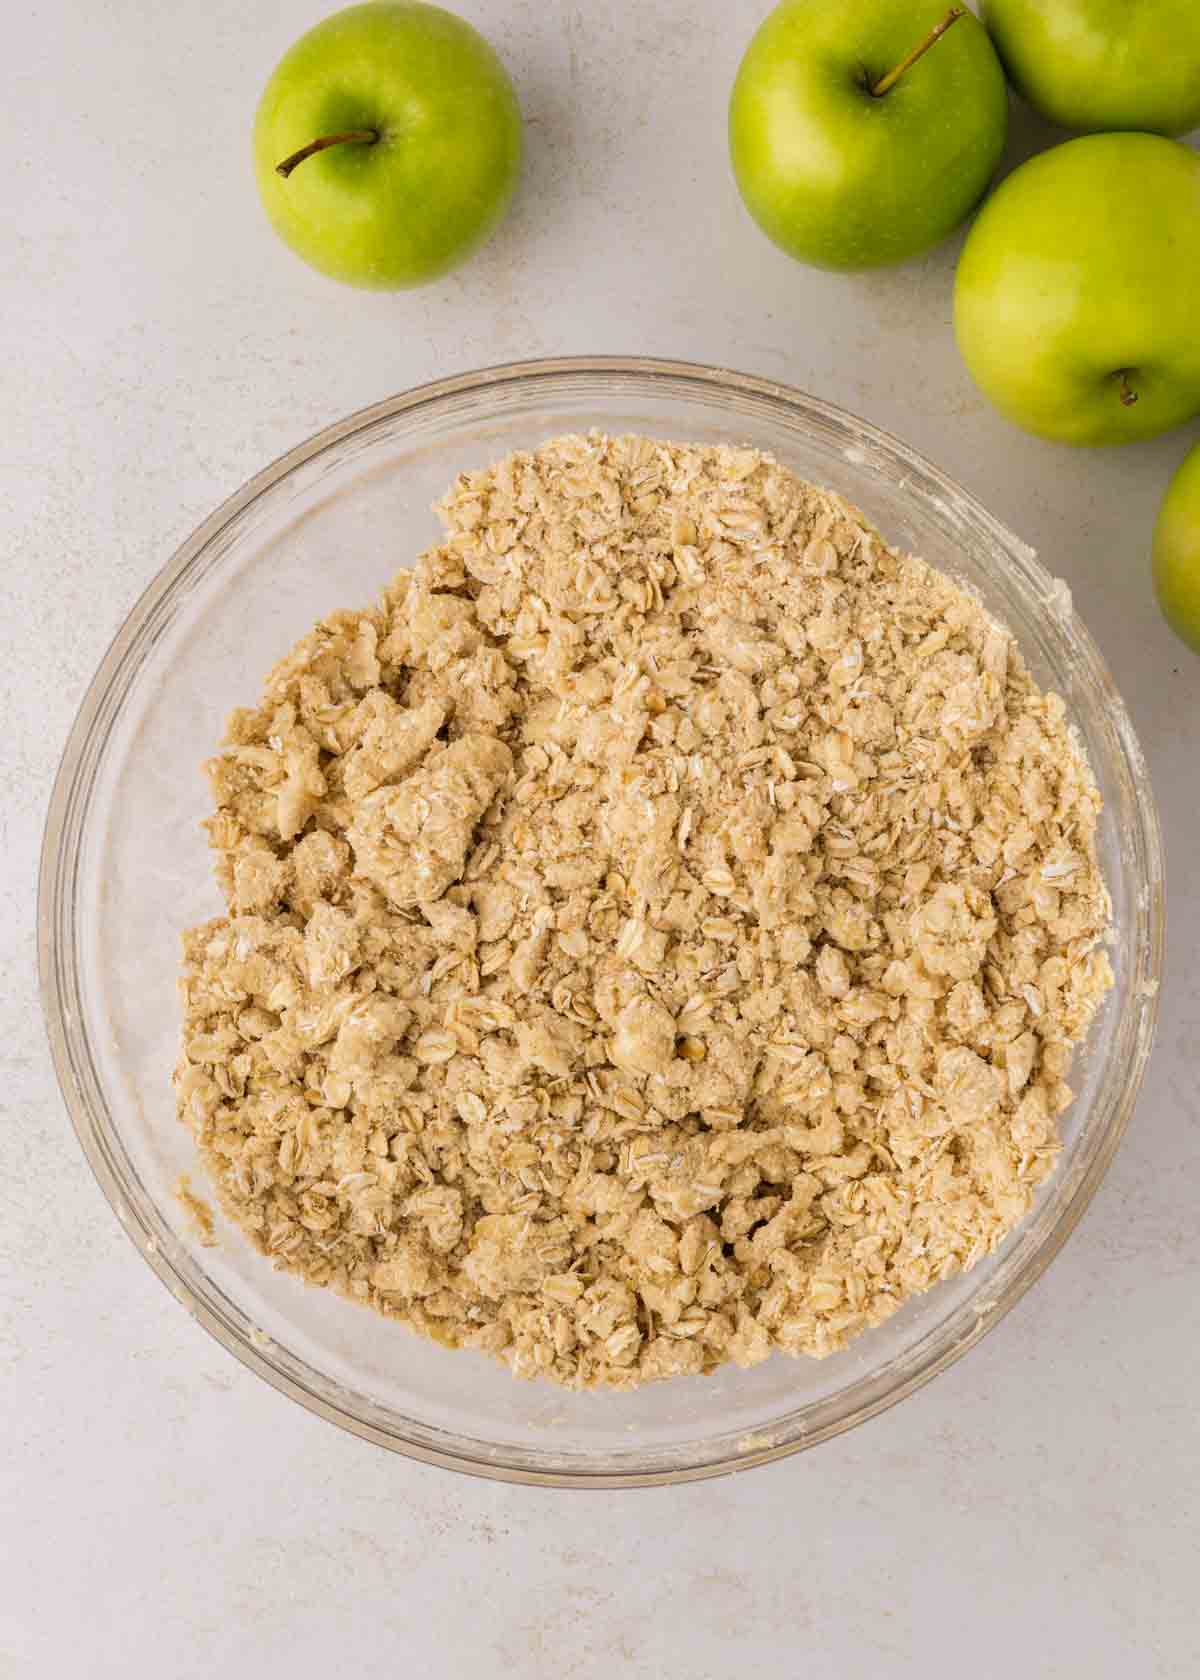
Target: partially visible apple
point(1077, 297)
point(1177, 552)
point(1103, 64)
point(387, 143)
point(863, 134)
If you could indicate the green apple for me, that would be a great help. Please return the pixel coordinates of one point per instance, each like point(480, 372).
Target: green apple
point(1177, 552)
point(852, 142)
point(387, 143)
point(1077, 297)
point(1103, 64)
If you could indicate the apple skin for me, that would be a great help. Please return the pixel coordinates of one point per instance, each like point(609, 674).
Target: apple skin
point(842, 179)
point(1176, 553)
point(1083, 264)
point(1099, 65)
point(437, 182)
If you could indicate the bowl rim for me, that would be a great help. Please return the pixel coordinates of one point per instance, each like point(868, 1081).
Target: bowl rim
point(85, 747)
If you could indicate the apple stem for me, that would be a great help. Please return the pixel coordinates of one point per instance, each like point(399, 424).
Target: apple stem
point(1128, 395)
point(886, 83)
point(362, 136)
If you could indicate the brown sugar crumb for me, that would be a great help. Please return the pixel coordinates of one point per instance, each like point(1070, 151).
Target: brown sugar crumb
point(657, 931)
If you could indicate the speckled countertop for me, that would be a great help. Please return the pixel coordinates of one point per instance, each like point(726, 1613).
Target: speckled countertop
point(161, 1510)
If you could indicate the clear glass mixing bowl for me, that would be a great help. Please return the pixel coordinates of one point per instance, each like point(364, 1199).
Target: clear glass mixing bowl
point(125, 868)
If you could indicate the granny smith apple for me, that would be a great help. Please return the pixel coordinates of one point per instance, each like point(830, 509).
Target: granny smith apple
point(863, 134)
point(1077, 297)
point(1103, 64)
point(1177, 552)
point(387, 143)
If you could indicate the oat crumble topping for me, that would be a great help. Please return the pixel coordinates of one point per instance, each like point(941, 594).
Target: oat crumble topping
point(657, 931)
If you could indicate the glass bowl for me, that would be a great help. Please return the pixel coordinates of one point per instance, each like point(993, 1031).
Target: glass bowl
point(125, 867)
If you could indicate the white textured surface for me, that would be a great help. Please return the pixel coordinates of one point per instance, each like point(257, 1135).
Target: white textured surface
point(161, 1511)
